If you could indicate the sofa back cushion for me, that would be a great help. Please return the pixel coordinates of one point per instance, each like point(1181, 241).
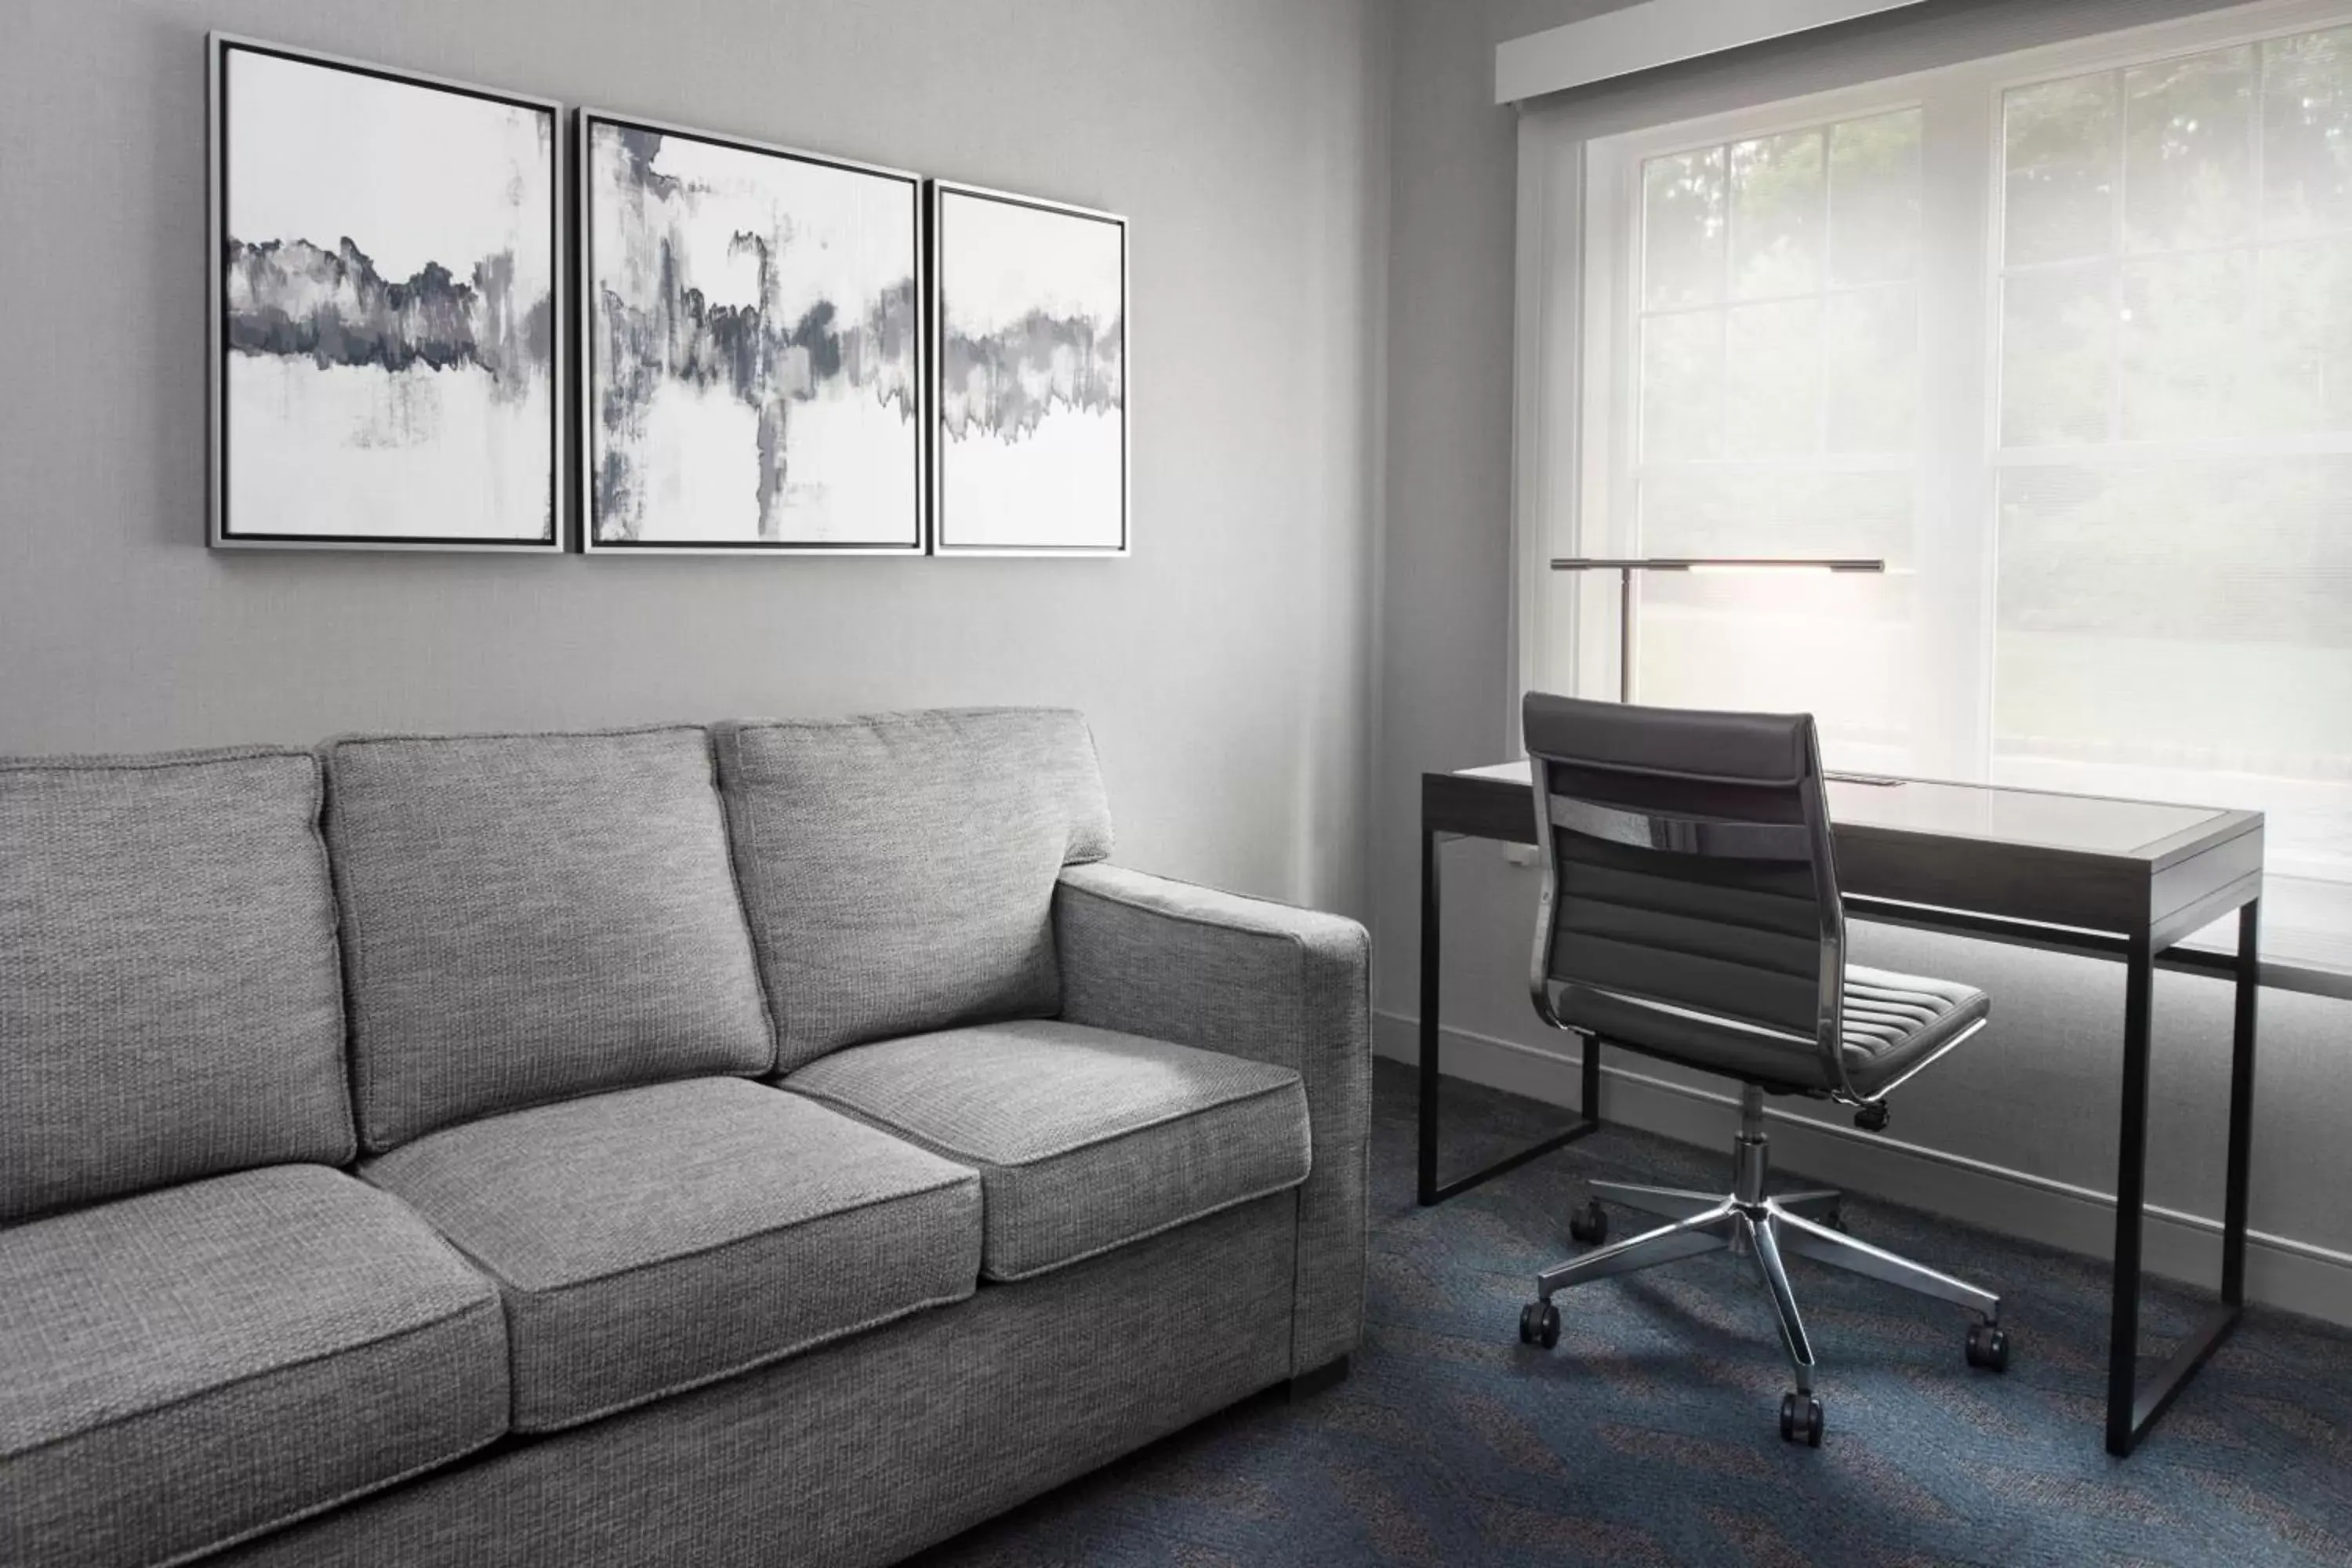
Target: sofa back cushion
point(900, 869)
point(169, 1002)
point(527, 918)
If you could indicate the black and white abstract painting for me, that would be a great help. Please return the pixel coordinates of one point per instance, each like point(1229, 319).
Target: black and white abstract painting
point(387, 308)
point(755, 346)
point(1032, 349)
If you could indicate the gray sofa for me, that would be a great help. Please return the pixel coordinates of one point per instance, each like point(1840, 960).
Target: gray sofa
point(780, 1143)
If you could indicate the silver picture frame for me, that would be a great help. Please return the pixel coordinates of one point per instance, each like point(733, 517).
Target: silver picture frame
point(943, 541)
point(221, 530)
point(584, 438)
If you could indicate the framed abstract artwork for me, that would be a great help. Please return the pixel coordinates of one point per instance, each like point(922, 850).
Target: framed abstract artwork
point(1030, 442)
point(387, 308)
point(753, 346)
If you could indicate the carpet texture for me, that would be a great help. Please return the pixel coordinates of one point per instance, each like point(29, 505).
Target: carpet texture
point(1650, 1435)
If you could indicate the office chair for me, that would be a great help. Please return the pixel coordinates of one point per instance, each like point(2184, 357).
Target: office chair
point(1690, 912)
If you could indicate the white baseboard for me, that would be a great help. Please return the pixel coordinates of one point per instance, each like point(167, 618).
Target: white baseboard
point(2280, 1271)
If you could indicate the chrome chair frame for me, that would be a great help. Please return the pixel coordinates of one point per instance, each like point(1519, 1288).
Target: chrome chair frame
point(1747, 1219)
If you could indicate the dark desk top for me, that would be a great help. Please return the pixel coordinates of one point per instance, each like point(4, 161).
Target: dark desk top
point(2068, 824)
point(2091, 861)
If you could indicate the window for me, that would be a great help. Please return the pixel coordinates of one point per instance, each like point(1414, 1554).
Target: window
point(1775, 374)
point(2174, 498)
point(2066, 338)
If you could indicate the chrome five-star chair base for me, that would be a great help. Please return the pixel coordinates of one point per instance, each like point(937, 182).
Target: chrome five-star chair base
point(1767, 1228)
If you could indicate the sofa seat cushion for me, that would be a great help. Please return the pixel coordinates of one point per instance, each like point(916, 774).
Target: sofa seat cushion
point(192, 1366)
point(652, 1239)
point(1086, 1139)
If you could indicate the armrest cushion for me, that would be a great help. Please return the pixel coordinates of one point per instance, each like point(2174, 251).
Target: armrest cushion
point(1165, 958)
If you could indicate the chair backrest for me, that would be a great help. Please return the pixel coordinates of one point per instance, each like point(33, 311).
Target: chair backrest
point(1690, 895)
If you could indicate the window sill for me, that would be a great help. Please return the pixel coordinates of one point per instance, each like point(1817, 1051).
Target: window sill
point(2306, 936)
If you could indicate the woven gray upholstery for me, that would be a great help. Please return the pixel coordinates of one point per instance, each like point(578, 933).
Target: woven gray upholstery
point(1084, 1138)
point(898, 869)
point(652, 1239)
point(169, 1002)
point(1155, 957)
point(184, 1368)
point(527, 918)
point(875, 1447)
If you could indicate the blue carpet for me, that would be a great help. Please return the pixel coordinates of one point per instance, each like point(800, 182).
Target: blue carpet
point(1650, 1436)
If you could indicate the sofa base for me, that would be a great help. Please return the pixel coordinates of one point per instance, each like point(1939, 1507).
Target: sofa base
point(1307, 1384)
point(870, 1449)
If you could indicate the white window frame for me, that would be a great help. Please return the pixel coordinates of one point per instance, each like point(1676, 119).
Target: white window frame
point(1605, 508)
point(1579, 254)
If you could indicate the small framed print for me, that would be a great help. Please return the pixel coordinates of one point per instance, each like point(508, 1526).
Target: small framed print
point(755, 346)
point(1030, 437)
point(387, 308)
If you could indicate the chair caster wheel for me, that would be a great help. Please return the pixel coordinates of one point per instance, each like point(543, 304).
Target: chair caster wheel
point(1589, 1224)
point(1801, 1423)
point(1872, 1118)
point(1988, 1346)
point(1539, 1324)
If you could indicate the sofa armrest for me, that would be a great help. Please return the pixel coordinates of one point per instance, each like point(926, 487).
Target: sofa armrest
point(1150, 956)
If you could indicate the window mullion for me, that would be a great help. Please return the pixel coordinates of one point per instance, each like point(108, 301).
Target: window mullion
point(2249, 338)
point(2118, 236)
point(1821, 304)
point(1723, 317)
point(1955, 520)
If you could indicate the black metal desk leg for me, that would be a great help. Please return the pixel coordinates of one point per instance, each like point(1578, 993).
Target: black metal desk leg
point(1431, 957)
point(1432, 962)
point(2131, 1411)
point(1589, 1090)
point(2131, 1197)
point(2242, 1104)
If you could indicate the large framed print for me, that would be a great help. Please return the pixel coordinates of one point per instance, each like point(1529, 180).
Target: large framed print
point(1030, 437)
point(387, 309)
point(754, 347)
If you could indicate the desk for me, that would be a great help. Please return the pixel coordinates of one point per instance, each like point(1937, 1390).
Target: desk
point(2112, 879)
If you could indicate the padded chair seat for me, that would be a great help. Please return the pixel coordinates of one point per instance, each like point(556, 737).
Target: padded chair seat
point(652, 1239)
point(1086, 1139)
point(1891, 1021)
point(185, 1368)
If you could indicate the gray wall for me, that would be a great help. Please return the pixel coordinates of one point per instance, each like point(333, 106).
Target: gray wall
point(1447, 662)
point(1225, 667)
point(2036, 1092)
